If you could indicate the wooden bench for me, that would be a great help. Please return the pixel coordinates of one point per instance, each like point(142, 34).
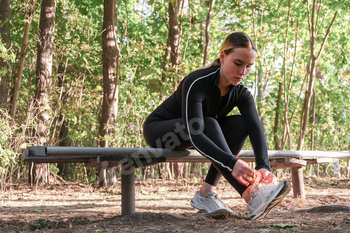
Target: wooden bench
point(131, 158)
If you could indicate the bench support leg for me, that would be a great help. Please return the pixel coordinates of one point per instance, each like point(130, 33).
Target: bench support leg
point(298, 182)
point(128, 192)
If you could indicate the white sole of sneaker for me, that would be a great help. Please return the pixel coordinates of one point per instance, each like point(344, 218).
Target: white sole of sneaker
point(198, 206)
point(202, 207)
point(275, 201)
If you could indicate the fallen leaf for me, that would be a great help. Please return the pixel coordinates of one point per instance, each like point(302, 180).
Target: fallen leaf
point(281, 225)
point(144, 192)
point(38, 210)
point(162, 189)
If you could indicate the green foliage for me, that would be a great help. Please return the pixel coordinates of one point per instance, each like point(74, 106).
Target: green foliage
point(6, 56)
point(7, 155)
point(41, 224)
point(54, 168)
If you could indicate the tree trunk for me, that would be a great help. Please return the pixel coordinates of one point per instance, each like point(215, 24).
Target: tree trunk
point(110, 70)
point(207, 37)
point(313, 118)
point(173, 43)
point(107, 175)
point(62, 122)
point(188, 36)
point(305, 116)
point(174, 33)
point(21, 61)
point(5, 17)
point(261, 102)
point(110, 82)
point(175, 54)
point(40, 108)
point(64, 140)
point(201, 26)
point(166, 171)
point(277, 115)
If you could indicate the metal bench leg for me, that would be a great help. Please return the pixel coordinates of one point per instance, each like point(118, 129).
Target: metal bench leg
point(298, 182)
point(128, 192)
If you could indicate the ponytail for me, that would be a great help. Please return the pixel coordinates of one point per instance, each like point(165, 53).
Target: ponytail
point(216, 62)
point(232, 41)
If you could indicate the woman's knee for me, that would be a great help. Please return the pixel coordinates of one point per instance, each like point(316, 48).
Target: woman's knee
point(211, 125)
point(235, 123)
point(239, 121)
point(210, 120)
point(198, 125)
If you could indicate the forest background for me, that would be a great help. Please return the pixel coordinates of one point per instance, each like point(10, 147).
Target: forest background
point(88, 73)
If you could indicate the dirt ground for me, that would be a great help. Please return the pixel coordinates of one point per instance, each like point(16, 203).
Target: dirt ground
point(163, 206)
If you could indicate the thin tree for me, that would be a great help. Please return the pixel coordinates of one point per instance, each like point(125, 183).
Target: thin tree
point(110, 60)
point(172, 51)
point(22, 57)
point(62, 122)
point(277, 115)
point(174, 38)
point(174, 33)
point(40, 107)
point(207, 37)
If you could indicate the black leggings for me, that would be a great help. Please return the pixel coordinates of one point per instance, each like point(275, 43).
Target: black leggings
point(229, 134)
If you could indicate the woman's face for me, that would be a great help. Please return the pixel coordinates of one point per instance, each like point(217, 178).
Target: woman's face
point(236, 65)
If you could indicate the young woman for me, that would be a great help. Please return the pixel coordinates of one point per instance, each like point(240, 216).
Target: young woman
point(195, 115)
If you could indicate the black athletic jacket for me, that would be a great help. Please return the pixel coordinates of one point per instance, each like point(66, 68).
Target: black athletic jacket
point(198, 96)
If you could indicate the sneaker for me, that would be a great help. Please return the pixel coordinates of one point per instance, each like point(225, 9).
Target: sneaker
point(264, 198)
point(210, 203)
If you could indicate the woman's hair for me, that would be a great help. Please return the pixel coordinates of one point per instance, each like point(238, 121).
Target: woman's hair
point(232, 41)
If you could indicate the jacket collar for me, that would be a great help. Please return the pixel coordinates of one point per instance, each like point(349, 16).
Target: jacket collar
point(216, 83)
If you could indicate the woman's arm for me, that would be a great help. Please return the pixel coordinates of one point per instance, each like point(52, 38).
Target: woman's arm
point(193, 95)
point(255, 131)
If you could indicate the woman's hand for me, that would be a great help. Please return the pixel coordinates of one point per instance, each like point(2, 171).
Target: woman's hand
point(244, 174)
point(267, 177)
